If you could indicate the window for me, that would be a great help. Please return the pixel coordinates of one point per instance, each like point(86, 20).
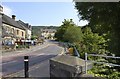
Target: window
point(46, 31)
point(7, 29)
point(12, 30)
point(22, 34)
point(17, 32)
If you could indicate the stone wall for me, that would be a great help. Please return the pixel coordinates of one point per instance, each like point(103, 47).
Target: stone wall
point(67, 66)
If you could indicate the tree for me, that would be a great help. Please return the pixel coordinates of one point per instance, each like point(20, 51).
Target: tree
point(68, 32)
point(33, 37)
point(103, 19)
point(92, 42)
point(61, 30)
point(73, 35)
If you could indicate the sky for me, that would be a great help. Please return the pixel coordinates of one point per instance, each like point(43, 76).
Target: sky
point(43, 13)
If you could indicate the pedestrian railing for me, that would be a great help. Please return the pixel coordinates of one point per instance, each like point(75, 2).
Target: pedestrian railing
point(76, 53)
point(110, 64)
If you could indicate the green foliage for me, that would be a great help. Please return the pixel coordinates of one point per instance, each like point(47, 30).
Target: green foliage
point(104, 19)
point(104, 71)
point(73, 35)
point(34, 37)
point(22, 46)
point(69, 32)
point(92, 43)
point(62, 29)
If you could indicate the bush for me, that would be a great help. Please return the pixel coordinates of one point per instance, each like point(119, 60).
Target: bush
point(104, 71)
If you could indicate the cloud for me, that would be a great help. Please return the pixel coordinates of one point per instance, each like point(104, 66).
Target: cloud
point(83, 22)
point(8, 11)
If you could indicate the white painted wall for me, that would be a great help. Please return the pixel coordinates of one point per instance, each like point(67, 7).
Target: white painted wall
point(29, 34)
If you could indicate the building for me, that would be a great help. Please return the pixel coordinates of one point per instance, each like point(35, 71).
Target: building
point(48, 33)
point(27, 27)
point(11, 30)
point(1, 8)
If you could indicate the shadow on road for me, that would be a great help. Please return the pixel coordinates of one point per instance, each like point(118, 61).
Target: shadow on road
point(38, 67)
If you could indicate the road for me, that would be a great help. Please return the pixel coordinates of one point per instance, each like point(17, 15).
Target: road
point(13, 64)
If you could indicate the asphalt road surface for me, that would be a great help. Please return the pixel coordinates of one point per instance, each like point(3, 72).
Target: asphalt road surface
point(13, 65)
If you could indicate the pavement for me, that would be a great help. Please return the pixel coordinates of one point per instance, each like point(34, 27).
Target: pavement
point(35, 71)
point(41, 68)
point(19, 52)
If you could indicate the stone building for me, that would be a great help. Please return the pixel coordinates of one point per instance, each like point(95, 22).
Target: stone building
point(12, 30)
point(27, 27)
point(48, 33)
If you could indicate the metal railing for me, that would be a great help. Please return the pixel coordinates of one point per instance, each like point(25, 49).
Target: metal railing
point(111, 64)
point(76, 52)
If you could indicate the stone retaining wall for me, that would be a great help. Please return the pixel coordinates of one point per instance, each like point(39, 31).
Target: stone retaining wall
point(67, 66)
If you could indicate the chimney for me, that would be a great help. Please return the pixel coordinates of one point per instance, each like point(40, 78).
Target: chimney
point(30, 27)
point(13, 17)
point(1, 9)
point(27, 25)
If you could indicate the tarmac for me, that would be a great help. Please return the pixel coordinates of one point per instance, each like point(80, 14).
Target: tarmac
point(26, 50)
point(36, 67)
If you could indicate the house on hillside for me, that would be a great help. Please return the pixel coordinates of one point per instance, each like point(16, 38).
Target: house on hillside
point(48, 33)
point(27, 27)
point(11, 30)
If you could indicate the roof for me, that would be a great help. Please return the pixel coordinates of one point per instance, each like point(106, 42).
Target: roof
point(24, 25)
point(7, 20)
point(49, 30)
point(1, 6)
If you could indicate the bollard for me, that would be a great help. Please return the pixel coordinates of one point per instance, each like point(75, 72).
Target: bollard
point(26, 66)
